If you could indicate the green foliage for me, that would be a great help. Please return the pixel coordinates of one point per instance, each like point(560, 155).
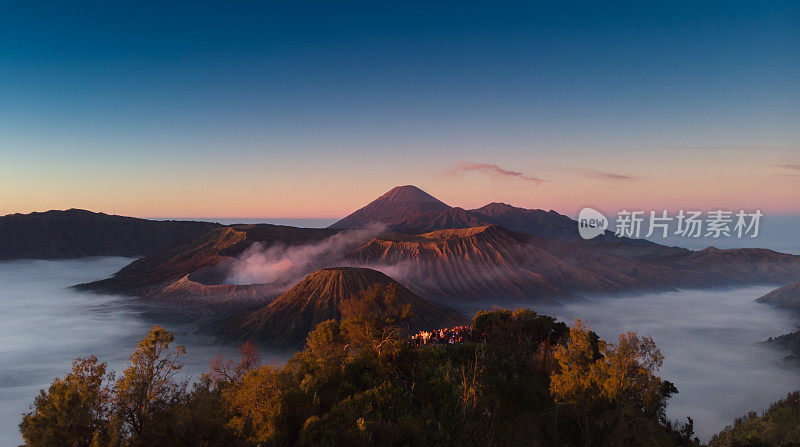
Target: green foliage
point(790, 342)
point(364, 382)
point(146, 396)
point(74, 411)
point(778, 426)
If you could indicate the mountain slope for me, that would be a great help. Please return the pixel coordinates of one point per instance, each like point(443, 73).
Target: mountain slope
point(408, 208)
point(484, 263)
point(320, 297)
point(439, 220)
point(481, 263)
point(786, 297)
point(392, 207)
point(154, 274)
point(547, 224)
point(78, 233)
point(738, 265)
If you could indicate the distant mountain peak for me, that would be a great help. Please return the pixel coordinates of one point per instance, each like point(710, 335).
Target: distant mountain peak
point(497, 207)
point(393, 207)
point(408, 208)
point(409, 194)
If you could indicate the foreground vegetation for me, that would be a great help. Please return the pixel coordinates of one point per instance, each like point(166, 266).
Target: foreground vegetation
point(522, 379)
point(789, 342)
point(778, 426)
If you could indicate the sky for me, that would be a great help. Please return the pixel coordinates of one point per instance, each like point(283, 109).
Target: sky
point(311, 109)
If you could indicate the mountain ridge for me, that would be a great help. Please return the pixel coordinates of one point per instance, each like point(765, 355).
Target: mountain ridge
point(408, 208)
point(77, 233)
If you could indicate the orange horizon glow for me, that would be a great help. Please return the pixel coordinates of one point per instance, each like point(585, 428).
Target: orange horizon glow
point(764, 188)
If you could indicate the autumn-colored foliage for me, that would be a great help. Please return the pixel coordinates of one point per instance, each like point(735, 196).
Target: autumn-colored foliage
point(519, 379)
point(617, 382)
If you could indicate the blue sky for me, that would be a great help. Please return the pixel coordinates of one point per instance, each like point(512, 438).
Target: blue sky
point(308, 109)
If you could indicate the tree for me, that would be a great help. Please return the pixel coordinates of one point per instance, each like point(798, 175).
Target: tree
point(267, 407)
point(611, 388)
point(627, 372)
point(516, 379)
point(224, 370)
point(575, 383)
point(74, 411)
point(373, 323)
point(779, 425)
point(147, 388)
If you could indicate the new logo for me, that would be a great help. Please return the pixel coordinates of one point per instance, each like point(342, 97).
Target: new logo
point(591, 223)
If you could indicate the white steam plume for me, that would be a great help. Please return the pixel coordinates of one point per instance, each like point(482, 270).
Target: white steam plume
point(287, 264)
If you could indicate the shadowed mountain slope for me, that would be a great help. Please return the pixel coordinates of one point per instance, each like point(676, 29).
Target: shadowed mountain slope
point(393, 208)
point(547, 224)
point(320, 297)
point(492, 262)
point(157, 273)
point(786, 297)
point(78, 233)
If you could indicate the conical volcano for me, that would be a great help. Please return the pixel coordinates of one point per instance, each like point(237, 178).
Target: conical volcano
point(319, 297)
point(393, 207)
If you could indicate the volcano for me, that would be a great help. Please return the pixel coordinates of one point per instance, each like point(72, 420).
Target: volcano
point(408, 208)
point(320, 296)
point(393, 208)
point(487, 263)
point(449, 254)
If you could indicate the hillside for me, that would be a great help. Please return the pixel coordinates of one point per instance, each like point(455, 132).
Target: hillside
point(478, 263)
point(547, 224)
point(786, 297)
point(778, 426)
point(162, 273)
point(321, 296)
point(78, 233)
point(492, 262)
point(788, 342)
point(362, 381)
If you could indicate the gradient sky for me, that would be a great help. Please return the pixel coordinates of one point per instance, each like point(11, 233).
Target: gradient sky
point(312, 109)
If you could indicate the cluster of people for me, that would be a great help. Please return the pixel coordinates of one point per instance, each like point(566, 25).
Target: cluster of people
point(458, 334)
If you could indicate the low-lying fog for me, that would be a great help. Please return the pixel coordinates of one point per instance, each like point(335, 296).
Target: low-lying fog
point(44, 325)
point(710, 339)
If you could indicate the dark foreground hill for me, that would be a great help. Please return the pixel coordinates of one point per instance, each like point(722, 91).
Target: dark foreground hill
point(778, 426)
point(508, 379)
point(78, 233)
point(325, 295)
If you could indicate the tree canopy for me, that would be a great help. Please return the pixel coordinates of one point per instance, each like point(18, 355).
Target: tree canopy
point(511, 378)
